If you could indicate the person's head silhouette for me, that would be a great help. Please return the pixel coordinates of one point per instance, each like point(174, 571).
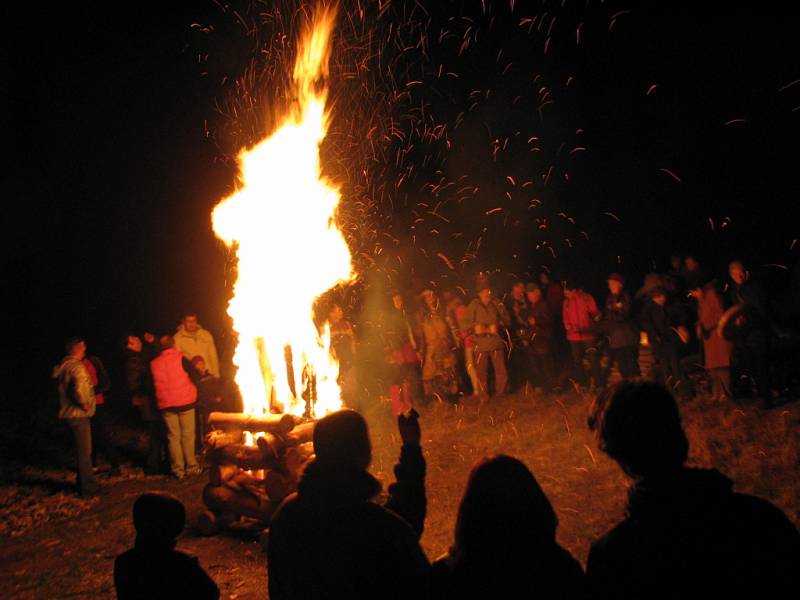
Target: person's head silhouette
point(159, 518)
point(342, 439)
point(639, 426)
point(503, 510)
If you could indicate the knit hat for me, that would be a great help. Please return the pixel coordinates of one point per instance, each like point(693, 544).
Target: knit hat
point(616, 277)
point(532, 287)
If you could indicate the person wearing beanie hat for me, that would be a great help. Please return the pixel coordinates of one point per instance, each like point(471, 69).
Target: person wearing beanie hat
point(623, 337)
point(153, 568)
point(330, 539)
point(485, 319)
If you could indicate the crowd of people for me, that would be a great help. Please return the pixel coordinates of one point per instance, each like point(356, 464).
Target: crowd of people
point(545, 335)
point(554, 335)
point(174, 382)
point(685, 533)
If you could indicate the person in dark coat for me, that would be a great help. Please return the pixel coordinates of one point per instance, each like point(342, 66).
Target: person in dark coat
point(141, 391)
point(686, 533)
point(540, 323)
point(750, 332)
point(505, 540)
point(623, 336)
point(661, 323)
point(102, 430)
point(330, 540)
point(153, 569)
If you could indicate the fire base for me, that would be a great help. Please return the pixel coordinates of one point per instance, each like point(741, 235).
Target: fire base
point(248, 482)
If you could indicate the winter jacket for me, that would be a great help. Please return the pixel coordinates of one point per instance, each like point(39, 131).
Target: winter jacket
point(517, 311)
point(542, 329)
point(75, 389)
point(199, 343)
point(618, 322)
point(492, 318)
point(174, 388)
point(156, 573)
point(99, 377)
point(329, 540)
point(139, 384)
point(716, 349)
point(580, 313)
point(658, 321)
point(691, 536)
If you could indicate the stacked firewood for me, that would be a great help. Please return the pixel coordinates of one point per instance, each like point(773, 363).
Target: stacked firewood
point(250, 481)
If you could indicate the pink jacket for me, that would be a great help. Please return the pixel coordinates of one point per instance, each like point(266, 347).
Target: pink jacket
point(174, 389)
point(579, 314)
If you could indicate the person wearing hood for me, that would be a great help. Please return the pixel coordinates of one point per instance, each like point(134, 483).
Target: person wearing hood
point(331, 540)
point(191, 340)
point(505, 541)
point(153, 569)
point(686, 533)
point(76, 408)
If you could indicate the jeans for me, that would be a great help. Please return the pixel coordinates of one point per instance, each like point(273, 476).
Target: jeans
point(180, 442)
point(82, 432)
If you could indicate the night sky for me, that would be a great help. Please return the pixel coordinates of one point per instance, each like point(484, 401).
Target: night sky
point(680, 113)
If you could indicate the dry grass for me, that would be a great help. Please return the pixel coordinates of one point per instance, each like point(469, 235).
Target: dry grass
point(73, 554)
point(758, 450)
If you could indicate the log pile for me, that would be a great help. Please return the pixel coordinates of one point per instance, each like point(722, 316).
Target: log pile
point(251, 480)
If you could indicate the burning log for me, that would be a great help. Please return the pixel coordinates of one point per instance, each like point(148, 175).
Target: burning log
point(278, 485)
point(271, 446)
point(219, 474)
point(280, 424)
point(220, 439)
point(223, 499)
point(246, 457)
point(301, 434)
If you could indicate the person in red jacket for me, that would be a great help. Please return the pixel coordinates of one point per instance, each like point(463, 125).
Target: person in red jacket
point(176, 397)
point(580, 313)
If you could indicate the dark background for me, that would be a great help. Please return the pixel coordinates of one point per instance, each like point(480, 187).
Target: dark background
point(115, 164)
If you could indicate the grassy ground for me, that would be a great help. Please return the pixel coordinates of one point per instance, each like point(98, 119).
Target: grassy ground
point(55, 545)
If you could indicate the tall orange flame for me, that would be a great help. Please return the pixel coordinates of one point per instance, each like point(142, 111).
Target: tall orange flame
point(281, 224)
